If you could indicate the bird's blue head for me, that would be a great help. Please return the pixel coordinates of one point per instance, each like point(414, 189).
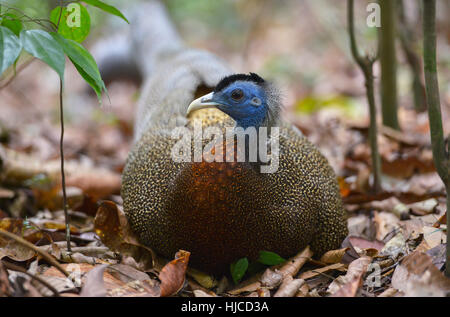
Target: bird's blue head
point(245, 98)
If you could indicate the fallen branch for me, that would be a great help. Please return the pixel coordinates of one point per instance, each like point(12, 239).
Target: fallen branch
point(42, 253)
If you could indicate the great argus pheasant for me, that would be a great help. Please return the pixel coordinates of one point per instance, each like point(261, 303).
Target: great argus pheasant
point(219, 211)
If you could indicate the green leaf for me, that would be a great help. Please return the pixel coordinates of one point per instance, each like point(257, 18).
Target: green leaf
point(238, 269)
point(83, 62)
point(12, 22)
point(10, 48)
point(270, 258)
point(75, 22)
point(42, 45)
point(106, 7)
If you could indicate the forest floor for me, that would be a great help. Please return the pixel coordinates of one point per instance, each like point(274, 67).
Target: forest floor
point(396, 242)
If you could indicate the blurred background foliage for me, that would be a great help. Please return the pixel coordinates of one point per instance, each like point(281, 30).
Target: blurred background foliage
point(302, 45)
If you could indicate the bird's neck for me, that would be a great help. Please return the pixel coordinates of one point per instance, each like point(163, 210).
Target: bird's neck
point(255, 121)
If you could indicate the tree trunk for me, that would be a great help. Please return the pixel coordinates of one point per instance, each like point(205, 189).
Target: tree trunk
point(388, 64)
point(440, 152)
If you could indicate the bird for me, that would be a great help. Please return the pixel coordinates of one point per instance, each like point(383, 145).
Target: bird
point(218, 208)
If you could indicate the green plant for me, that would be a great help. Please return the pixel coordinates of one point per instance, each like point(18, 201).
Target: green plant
point(54, 38)
point(241, 266)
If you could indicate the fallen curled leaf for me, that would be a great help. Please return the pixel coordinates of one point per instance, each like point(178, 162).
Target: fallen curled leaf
point(425, 207)
point(395, 246)
point(418, 276)
point(94, 286)
point(289, 287)
point(96, 182)
point(344, 187)
point(294, 264)
point(385, 222)
point(434, 236)
point(250, 285)
point(114, 286)
point(112, 226)
point(200, 293)
point(173, 274)
point(263, 292)
point(358, 225)
point(5, 287)
point(271, 278)
point(333, 256)
point(365, 244)
point(204, 279)
point(441, 221)
point(352, 281)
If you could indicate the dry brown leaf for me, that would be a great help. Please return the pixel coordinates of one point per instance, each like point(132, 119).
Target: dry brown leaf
point(425, 207)
point(5, 287)
point(263, 292)
point(333, 256)
point(271, 278)
point(358, 225)
point(418, 276)
point(352, 280)
point(200, 293)
point(114, 286)
point(385, 222)
point(12, 249)
point(289, 287)
point(293, 265)
point(204, 279)
point(249, 285)
point(112, 226)
point(94, 286)
point(362, 243)
point(126, 273)
point(389, 292)
point(173, 274)
point(395, 246)
point(96, 182)
point(312, 273)
point(441, 221)
point(434, 236)
point(303, 291)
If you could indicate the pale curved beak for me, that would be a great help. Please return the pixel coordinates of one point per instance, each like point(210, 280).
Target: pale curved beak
point(202, 103)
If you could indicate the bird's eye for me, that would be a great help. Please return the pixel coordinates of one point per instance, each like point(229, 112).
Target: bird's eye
point(237, 94)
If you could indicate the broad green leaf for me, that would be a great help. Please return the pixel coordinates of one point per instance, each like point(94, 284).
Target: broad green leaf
point(10, 48)
point(83, 61)
point(106, 7)
point(42, 45)
point(75, 22)
point(238, 269)
point(12, 22)
point(270, 258)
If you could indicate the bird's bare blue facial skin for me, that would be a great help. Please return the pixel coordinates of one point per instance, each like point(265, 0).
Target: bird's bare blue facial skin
point(244, 101)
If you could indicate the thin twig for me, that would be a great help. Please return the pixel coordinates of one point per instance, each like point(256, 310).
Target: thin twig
point(31, 246)
point(30, 19)
point(366, 65)
point(61, 149)
point(63, 177)
point(11, 266)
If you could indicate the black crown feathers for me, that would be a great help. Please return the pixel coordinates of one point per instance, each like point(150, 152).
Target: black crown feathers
point(238, 77)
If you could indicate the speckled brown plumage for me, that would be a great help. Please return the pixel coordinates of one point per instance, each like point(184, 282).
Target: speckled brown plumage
point(220, 212)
